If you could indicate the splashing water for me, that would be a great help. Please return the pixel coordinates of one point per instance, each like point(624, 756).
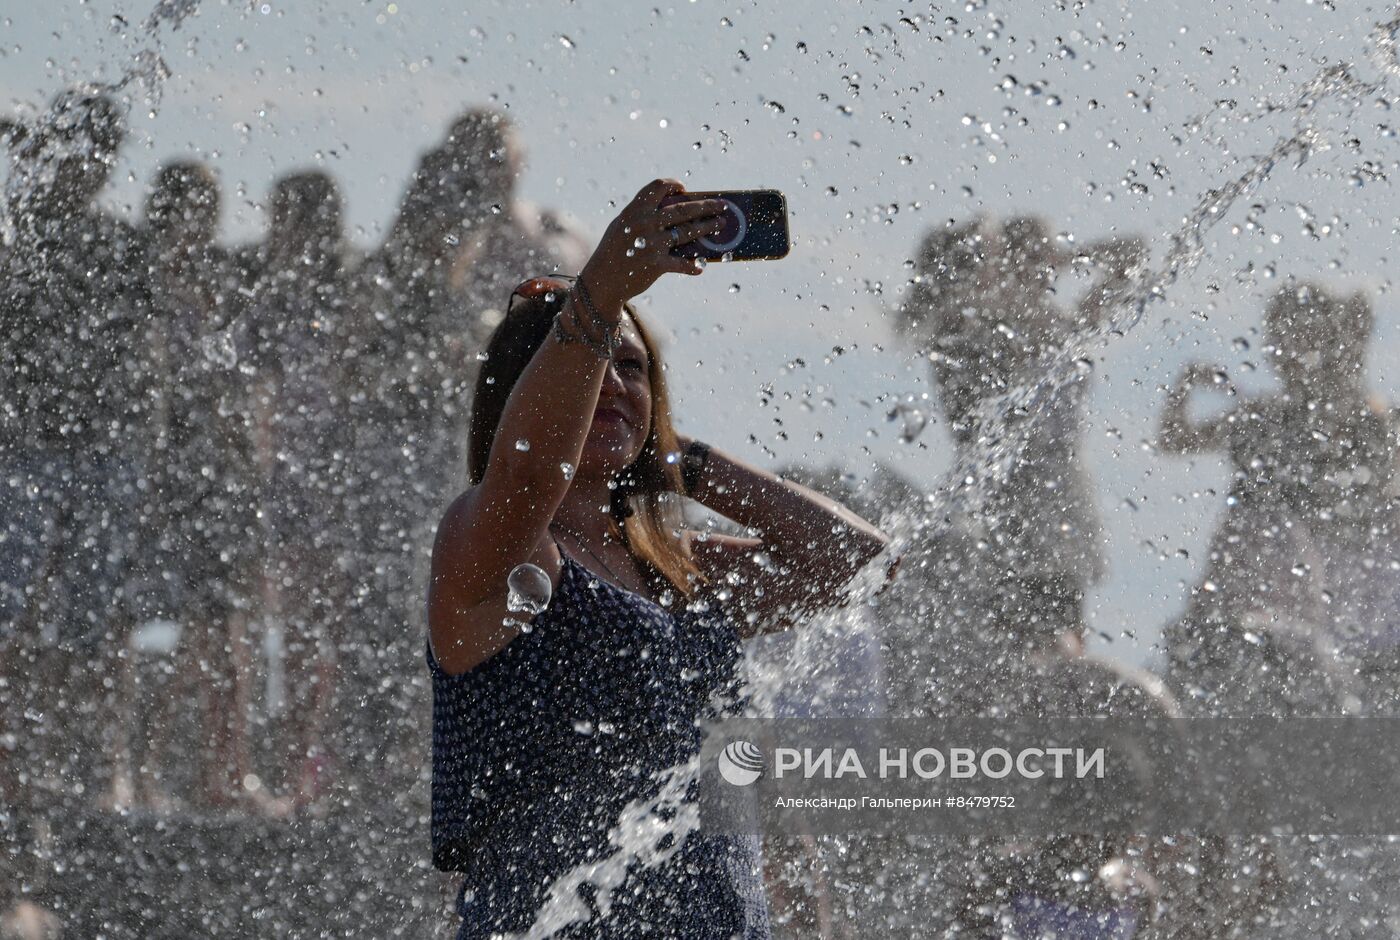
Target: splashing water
point(51, 140)
point(220, 349)
point(173, 12)
point(641, 828)
point(1008, 423)
point(913, 417)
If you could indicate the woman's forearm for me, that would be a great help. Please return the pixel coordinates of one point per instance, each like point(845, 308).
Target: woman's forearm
point(805, 528)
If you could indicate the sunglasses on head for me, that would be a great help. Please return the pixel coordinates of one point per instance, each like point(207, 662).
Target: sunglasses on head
point(552, 288)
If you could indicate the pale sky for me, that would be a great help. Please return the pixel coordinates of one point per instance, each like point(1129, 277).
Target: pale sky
point(854, 110)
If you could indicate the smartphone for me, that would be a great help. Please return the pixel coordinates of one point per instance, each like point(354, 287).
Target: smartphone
point(755, 229)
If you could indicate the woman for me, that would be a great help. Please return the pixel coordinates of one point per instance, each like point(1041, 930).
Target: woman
point(544, 731)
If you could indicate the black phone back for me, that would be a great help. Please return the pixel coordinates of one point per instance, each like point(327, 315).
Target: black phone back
point(756, 227)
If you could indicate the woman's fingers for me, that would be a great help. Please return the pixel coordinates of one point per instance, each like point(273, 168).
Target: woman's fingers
point(657, 190)
point(682, 212)
point(675, 264)
point(689, 231)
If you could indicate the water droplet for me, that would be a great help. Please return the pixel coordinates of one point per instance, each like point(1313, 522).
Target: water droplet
point(733, 288)
point(640, 242)
point(566, 42)
point(567, 469)
point(220, 349)
point(522, 445)
point(528, 589)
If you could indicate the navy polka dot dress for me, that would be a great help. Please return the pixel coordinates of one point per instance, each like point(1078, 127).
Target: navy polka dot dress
point(537, 751)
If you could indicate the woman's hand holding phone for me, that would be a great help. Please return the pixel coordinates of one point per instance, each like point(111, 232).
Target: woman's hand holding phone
point(637, 247)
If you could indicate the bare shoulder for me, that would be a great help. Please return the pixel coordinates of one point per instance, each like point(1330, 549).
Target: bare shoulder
point(461, 504)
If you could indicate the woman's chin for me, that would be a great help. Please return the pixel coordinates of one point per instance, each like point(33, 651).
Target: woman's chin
point(611, 456)
point(610, 437)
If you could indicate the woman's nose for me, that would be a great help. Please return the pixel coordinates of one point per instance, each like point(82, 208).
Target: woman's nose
point(611, 377)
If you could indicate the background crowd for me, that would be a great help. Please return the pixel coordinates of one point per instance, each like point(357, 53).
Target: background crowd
point(219, 454)
point(220, 468)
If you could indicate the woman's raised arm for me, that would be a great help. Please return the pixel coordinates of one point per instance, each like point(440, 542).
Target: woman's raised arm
point(814, 544)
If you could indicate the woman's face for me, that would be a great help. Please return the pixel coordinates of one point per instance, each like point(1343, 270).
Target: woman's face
point(622, 420)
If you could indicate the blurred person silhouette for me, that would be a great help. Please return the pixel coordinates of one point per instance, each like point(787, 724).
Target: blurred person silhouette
point(415, 359)
point(1000, 576)
point(428, 299)
point(207, 525)
point(1021, 555)
point(433, 292)
point(1310, 500)
point(72, 497)
point(502, 235)
point(300, 322)
point(1294, 614)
